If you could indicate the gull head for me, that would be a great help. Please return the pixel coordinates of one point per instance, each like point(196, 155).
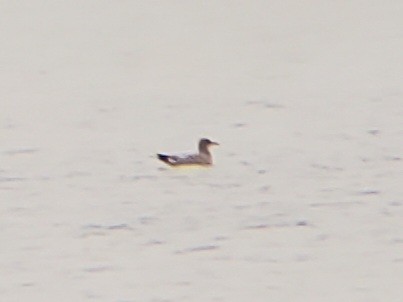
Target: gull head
point(205, 143)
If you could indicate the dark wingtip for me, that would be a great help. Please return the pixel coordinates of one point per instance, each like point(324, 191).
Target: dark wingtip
point(161, 156)
point(164, 158)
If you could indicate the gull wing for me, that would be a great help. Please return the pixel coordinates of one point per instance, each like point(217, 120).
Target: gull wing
point(183, 159)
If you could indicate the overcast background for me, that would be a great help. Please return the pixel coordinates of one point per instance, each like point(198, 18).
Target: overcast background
point(304, 203)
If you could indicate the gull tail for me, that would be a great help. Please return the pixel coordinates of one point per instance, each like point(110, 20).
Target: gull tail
point(164, 158)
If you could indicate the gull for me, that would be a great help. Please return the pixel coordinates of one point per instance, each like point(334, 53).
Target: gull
point(203, 158)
